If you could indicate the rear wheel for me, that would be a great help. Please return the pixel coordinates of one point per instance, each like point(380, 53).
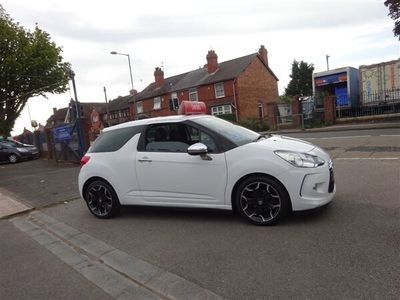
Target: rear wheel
point(13, 158)
point(261, 200)
point(102, 200)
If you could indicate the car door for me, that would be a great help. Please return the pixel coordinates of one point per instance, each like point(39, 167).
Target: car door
point(168, 175)
point(3, 153)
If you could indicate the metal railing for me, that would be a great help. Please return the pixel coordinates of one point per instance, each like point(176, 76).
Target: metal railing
point(373, 103)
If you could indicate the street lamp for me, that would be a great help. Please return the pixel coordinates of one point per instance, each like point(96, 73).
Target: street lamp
point(327, 61)
point(129, 61)
point(130, 72)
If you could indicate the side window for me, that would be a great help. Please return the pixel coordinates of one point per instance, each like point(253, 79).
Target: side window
point(198, 136)
point(113, 140)
point(169, 137)
point(175, 137)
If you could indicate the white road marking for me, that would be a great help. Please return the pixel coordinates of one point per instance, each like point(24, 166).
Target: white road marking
point(367, 158)
point(349, 137)
point(345, 137)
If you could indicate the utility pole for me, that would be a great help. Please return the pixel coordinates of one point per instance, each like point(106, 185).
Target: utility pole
point(81, 140)
point(327, 62)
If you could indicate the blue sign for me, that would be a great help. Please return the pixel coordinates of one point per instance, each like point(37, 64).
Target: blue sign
point(63, 133)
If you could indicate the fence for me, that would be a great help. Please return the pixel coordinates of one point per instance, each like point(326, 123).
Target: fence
point(373, 103)
point(51, 146)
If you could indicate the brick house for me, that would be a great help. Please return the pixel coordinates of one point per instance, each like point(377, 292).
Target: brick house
point(117, 111)
point(242, 87)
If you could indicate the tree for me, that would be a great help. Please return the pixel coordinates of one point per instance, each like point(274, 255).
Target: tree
point(30, 65)
point(301, 79)
point(394, 13)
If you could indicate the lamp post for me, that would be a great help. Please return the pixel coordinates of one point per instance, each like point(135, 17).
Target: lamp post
point(327, 62)
point(129, 62)
point(130, 72)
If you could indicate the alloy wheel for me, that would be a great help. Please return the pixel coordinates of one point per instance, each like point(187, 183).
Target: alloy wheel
point(260, 202)
point(100, 200)
point(12, 158)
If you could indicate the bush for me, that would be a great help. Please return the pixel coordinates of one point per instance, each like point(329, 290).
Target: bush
point(228, 117)
point(254, 124)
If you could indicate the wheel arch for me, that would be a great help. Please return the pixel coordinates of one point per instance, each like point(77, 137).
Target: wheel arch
point(235, 187)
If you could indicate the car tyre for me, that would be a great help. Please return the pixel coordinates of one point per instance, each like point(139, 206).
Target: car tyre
point(13, 158)
point(102, 200)
point(261, 200)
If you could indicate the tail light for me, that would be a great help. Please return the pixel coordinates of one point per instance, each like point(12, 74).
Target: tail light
point(85, 160)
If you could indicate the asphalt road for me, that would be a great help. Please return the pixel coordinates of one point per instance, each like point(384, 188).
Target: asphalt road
point(40, 183)
point(349, 249)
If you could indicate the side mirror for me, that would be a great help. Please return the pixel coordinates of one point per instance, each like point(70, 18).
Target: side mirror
point(197, 149)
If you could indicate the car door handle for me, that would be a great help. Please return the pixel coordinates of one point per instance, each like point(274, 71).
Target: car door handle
point(145, 159)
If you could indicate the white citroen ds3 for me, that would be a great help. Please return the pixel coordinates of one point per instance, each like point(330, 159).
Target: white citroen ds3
point(201, 161)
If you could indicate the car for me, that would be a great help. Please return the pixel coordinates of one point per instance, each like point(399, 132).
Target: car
point(14, 151)
point(202, 161)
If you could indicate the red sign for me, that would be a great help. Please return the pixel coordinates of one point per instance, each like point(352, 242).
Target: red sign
point(192, 108)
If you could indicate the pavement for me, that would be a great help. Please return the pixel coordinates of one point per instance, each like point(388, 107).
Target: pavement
point(10, 207)
point(116, 272)
point(341, 127)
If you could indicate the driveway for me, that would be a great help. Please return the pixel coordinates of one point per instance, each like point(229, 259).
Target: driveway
point(40, 183)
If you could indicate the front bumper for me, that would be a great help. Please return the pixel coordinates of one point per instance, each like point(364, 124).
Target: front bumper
point(310, 188)
point(29, 155)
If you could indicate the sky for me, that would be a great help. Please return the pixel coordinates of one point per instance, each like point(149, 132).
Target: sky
point(176, 35)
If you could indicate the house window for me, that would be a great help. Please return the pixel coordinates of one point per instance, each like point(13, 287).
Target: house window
point(193, 95)
point(139, 107)
point(260, 110)
point(157, 103)
point(174, 102)
point(219, 90)
point(220, 110)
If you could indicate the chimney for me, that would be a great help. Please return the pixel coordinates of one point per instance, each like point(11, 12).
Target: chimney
point(212, 61)
point(159, 77)
point(54, 110)
point(263, 53)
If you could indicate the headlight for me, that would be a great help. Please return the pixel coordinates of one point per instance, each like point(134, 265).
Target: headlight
point(22, 150)
point(301, 160)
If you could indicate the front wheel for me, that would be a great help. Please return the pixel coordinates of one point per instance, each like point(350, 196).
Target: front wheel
point(13, 158)
point(261, 200)
point(102, 200)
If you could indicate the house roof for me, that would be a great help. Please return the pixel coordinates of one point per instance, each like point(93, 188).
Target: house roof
point(119, 103)
point(61, 113)
point(88, 106)
point(226, 70)
point(58, 116)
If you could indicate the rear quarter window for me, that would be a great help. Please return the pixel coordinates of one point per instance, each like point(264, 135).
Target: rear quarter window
point(113, 140)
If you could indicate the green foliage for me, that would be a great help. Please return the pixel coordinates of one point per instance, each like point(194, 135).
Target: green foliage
point(285, 99)
point(394, 13)
point(254, 124)
point(301, 79)
point(30, 65)
point(228, 117)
